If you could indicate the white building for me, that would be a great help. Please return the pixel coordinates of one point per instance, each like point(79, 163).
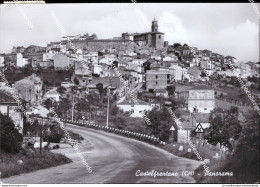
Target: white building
point(52, 94)
point(170, 58)
point(2, 59)
point(47, 56)
point(9, 107)
point(136, 109)
point(20, 61)
point(178, 72)
point(97, 69)
point(138, 62)
point(91, 58)
point(201, 99)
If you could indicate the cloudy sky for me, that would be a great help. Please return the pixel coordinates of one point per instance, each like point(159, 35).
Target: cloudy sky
point(228, 29)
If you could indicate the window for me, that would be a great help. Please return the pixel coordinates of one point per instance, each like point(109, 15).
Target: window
point(156, 76)
point(159, 36)
point(132, 110)
point(156, 82)
point(83, 80)
point(205, 108)
point(140, 111)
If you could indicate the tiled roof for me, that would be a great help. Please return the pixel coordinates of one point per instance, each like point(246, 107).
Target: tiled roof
point(132, 102)
point(157, 72)
point(202, 87)
point(160, 91)
point(202, 117)
point(6, 97)
point(193, 70)
point(148, 33)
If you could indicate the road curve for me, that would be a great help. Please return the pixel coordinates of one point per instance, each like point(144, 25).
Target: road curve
point(113, 159)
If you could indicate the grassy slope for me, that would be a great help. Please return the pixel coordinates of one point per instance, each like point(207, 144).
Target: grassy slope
point(31, 161)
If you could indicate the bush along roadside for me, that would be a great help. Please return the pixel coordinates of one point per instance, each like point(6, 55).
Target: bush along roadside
point(28, 160)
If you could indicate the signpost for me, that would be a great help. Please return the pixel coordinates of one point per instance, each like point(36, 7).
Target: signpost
point(172, 129)
point(83, 119)
point(199, 129)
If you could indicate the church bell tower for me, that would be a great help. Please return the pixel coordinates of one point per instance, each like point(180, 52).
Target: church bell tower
point(154, 26)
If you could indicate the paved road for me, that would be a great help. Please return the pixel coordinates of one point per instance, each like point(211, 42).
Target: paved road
point(114, 159)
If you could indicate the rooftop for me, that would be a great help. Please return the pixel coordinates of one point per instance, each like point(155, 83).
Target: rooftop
point(202, 87)
point(132, 102)
point(157, 72)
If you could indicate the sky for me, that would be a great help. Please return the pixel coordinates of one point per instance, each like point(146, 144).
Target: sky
point(228, 29)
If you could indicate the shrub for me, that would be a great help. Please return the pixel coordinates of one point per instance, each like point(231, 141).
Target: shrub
point(31, 162)
point(56, 146)
point(11, 139)
point(53, 138)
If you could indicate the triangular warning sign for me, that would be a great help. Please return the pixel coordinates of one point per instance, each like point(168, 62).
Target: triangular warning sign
point(172, 128)
point(199, 129)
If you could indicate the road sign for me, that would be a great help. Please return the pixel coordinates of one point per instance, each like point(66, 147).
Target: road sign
point(172, 129)
point(199, 129)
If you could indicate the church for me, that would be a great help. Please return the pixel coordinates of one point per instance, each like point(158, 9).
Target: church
point(152, 39)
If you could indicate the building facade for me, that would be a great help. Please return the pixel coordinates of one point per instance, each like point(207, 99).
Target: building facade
point(9, 107)
point(136, 109)
point(201, 99)
point(152, 39)
point(156, 79)
point(30, 89)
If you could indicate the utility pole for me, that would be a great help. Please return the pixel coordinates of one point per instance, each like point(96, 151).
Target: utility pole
point(107, 107)
point(41, 138)
point(72, 105)
point(108, 92)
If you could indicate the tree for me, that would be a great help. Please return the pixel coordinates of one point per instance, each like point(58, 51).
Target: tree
point(100, 88)
point(61, 90)
point(224, 127)
point(160, 127)
point(171, 90)
point(100, 53)
point(185, 45)
point(76, 81)
point(63, 106)
point(48, 103)
point(176, 45)
point(203, 74)
point(119, 121)
point(115, 64)
point(11, 139)
point(245, 160)
point(147, 66)
point(114, 110)
point(82, 105)
point(235, 82)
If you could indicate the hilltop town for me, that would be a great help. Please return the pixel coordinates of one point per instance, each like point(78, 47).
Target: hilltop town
point(55, 75)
